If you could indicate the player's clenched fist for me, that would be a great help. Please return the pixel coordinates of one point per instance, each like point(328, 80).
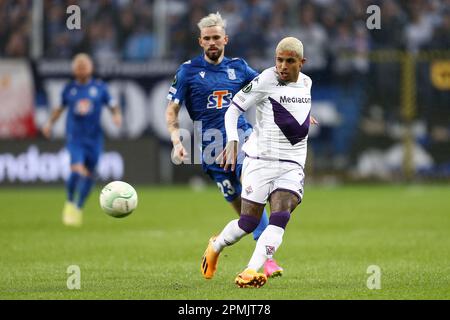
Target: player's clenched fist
point(179, 153)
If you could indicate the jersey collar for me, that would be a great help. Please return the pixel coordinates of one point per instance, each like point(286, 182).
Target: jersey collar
point(213, 66)
point(83, 84)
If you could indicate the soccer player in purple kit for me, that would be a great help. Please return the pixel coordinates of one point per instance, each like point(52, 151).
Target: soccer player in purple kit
point(84, 98)
point(206, 85)
point(275, 156)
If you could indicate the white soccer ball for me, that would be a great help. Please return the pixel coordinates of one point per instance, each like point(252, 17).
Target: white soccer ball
point(118, 199)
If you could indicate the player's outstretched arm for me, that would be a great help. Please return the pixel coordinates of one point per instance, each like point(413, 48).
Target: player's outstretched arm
point(313, 120)
point(179, 152)
point(47, 128)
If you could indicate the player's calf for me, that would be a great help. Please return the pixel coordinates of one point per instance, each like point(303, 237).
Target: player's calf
point(235, 230)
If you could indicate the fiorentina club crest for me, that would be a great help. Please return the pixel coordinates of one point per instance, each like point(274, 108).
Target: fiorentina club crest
point(248, 190)
point(270, 250)
point(231, 74)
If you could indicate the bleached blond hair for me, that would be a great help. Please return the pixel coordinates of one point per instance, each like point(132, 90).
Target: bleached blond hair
point(212, 20)
point(83, 56)
point(291, 44)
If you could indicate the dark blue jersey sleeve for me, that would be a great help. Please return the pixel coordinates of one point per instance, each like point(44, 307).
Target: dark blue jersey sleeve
point(106, 96)
point(179, 87)
point(64, 96)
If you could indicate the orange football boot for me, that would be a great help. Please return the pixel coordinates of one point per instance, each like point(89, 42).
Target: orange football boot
point(209, 260)
point(250, 278)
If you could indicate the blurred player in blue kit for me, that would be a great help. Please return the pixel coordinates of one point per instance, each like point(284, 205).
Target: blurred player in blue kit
point(206, 85)
point(84, 98)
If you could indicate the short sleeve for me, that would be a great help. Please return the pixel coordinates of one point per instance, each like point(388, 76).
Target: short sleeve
point(178, 89)
point(250, 95)
point(65, 96)
point(107, 99)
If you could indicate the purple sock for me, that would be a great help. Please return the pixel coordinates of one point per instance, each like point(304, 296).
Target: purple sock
point(279, 219)
point(248, 223)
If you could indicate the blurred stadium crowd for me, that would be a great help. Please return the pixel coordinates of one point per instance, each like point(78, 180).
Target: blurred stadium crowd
point(125, 29)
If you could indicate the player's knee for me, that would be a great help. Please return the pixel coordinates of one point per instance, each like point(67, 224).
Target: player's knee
point(280, 218)
point(248, 223)
point(284, 202)
point(76, 168)
point(80, 169)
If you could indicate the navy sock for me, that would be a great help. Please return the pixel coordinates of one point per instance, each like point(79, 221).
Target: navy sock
point(263, 223)
point(85, 188)
point(71, 185)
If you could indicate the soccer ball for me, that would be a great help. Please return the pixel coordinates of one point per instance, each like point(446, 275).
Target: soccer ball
point(118, 199)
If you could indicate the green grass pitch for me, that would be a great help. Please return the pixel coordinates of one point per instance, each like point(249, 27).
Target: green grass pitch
point(331, 240)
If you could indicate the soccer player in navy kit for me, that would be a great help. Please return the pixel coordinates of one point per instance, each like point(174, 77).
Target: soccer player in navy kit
point(83, 98)
point(206, 86)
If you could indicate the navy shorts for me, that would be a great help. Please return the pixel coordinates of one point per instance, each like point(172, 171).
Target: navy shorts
point(84, 154)
point(229, 182)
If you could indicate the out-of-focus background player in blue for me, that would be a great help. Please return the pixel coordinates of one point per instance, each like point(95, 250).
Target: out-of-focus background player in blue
point(206, 85)
point(83, 97)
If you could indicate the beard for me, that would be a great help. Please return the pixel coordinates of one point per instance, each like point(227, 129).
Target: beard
point(214, 56)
